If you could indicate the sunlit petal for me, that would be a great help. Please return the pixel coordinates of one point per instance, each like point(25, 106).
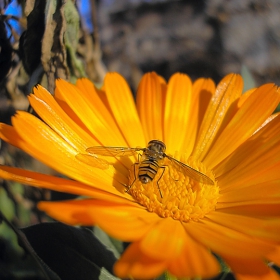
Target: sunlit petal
point(203, 90)
point(252, 152)
point(124, 110)
point(58, 184)
point(100, 121)
point(179, 96)
point(253, 112)
point(218, 113)
point(48, 109)
point(61, 156)
point(150, 105)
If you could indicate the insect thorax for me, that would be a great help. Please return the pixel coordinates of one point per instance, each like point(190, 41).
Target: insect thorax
point(155, 150)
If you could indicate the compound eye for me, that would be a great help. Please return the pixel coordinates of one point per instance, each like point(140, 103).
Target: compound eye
point(145, 180)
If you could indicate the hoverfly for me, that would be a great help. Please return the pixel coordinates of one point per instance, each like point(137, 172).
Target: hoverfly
point(150, 161)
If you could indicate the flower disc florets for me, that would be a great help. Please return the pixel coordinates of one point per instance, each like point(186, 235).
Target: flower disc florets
point(173, 194)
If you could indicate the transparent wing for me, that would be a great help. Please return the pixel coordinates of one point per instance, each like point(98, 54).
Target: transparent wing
point(93, 161)
point(189, 171)
point(114, 151)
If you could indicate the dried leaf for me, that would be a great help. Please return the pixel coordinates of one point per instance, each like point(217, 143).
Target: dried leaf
point(30, 41)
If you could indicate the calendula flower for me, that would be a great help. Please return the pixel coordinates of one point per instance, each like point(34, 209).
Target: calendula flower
point(176, 221)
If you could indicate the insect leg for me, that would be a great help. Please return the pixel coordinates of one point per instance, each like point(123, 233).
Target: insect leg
point(163, 167)
point(129, 187)
point(166, 166)
point(171, 175)
point(134, 165)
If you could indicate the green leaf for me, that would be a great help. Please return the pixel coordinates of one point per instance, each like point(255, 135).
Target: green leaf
point(249, 81)
point(114, 245)
point(105, 275)
point(72, 253)
point(7, 206)
point(71, 38)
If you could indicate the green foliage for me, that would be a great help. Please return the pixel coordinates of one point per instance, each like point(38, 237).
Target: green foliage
point(249, 81)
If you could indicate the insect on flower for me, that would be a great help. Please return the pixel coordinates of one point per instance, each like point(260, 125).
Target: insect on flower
point(150, 161)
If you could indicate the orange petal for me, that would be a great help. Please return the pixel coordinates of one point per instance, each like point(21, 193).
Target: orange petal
point(274, 256)
point(48, 109)
point(91, 93)
point(259, 210)
point(263, 193)
point(269, 119)
point(194, 261)
point(134, 264)
point(58, 154)
point(157, 242)
point(177, 111)
point(123, 221)
point(9, 135)
point(221, 239)
point(203, 90)
point(72, 212)
point(244, 97)
point(251, 158)
point(98, 99)
point(97, 119)
point(123, 108)
point(218, 113)
point(150, 102)
point(58, 184)
point(244, 123)
point(266, 229)
point(262, 170)
point(254, 266)
point(58, 96)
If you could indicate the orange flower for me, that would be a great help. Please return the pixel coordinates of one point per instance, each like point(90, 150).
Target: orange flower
point(174, 222)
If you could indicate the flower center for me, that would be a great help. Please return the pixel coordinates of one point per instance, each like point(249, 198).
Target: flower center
point(172, 194)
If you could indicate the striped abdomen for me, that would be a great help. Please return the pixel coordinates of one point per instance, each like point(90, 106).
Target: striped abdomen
point(147, 170)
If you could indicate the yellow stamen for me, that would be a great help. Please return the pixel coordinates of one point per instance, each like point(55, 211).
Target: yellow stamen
point(182, 197)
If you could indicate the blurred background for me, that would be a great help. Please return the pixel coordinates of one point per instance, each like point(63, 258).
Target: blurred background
point(41, 40)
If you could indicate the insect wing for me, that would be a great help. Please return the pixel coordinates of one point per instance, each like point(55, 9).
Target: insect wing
point(189, 171)
point(93, 161)
point(113, 151)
